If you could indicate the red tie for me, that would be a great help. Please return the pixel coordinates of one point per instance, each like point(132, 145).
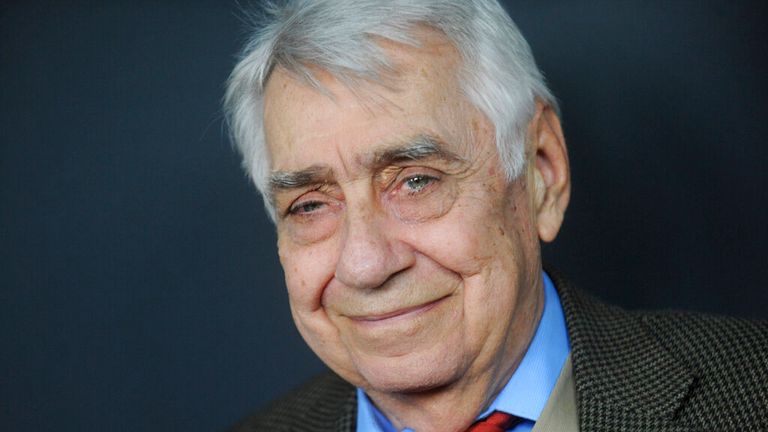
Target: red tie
point(496, 422)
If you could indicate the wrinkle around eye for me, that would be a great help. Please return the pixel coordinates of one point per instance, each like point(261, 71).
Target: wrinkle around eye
point(402, 189)
point(433, 199)
point(311, 205)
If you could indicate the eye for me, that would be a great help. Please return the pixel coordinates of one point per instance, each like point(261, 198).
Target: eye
point(417, 183)
point(305, 207)
point(311, 216)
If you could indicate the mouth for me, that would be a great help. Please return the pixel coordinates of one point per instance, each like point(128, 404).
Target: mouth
point(409, 311)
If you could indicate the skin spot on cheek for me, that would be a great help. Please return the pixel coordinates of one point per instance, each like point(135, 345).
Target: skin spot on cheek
point(490, 187)
point(502, 232)
point(302, 281)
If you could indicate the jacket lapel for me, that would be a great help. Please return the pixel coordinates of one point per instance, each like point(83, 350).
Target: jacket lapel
point(625, 378)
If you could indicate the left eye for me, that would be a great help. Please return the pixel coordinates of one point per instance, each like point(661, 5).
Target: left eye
point(418, 182)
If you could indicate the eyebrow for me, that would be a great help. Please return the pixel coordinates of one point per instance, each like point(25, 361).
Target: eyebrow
point(419, 147)
point(286, 180)
point(416, 148)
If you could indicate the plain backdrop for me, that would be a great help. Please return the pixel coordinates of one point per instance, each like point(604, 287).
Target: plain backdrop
point(140, 288)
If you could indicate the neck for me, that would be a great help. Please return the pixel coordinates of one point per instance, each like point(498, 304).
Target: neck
point(445, 409)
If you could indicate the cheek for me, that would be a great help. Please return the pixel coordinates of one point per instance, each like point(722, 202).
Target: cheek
point(307, 272)
point(461, 241)
point(484, 236)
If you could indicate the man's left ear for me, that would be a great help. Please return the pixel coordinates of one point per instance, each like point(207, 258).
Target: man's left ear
point(549, 174)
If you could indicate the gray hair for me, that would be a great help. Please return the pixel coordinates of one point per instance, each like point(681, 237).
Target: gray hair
point(499, 75)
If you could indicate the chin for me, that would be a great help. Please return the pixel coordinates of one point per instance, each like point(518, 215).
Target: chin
point(410, 373)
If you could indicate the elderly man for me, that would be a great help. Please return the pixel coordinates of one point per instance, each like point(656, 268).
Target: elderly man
point(412, 159)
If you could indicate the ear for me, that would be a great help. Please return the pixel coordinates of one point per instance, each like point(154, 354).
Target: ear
point(549, 175)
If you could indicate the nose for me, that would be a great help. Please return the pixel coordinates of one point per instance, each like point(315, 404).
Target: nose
point(370, 252)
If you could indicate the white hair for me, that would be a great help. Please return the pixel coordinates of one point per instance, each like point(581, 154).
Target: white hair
point(498, 76)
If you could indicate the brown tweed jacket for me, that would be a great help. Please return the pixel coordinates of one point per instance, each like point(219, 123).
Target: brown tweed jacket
point(658, 372)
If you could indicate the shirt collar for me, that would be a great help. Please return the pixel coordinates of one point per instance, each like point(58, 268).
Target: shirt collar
point(527, 391)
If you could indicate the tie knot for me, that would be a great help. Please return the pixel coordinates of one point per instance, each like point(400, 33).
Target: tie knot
point(496, 422)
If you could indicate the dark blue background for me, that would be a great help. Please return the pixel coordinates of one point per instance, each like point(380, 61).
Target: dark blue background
point(140, 288)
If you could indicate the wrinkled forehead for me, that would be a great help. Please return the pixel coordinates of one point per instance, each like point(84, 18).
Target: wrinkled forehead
point(422, 83)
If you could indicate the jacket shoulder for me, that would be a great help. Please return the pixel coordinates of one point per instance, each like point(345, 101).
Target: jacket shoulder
point(667, 370)
point(701, 335)
point(326, 402)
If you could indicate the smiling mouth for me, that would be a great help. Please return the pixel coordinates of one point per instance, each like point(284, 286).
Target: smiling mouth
point(400, 312)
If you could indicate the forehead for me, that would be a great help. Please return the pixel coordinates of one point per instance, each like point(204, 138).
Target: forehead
point(420, 95)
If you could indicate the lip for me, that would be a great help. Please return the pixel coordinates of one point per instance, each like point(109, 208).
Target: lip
point(413, 310)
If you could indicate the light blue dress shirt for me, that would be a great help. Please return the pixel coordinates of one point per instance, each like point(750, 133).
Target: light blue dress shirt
point(527, 391)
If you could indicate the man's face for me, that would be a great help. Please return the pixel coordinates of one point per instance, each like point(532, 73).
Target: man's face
point(410, 262)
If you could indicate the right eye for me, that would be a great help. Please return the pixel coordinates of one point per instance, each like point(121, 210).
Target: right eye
point(305, 207)
point(310, 218)
point(312, 205)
